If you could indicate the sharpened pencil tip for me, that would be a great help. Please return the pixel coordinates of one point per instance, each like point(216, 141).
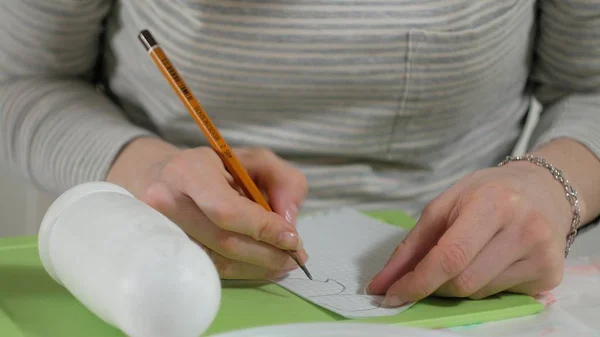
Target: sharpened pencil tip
point(306, 272)
point(297, 259)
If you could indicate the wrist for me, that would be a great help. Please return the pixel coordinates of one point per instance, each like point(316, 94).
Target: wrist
point(581, 167)
point(544, 189)
point(132, 168)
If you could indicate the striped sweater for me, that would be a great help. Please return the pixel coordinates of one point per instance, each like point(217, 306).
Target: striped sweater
point(381, 103)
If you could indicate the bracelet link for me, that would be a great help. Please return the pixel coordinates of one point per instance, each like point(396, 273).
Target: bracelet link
point(570, 192)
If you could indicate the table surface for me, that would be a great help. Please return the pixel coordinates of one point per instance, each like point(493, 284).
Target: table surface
point(587, 242)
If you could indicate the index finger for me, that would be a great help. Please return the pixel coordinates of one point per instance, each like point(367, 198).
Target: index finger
point(455, 250)
point(227, 209)
point(285, 185)
point(241, 215)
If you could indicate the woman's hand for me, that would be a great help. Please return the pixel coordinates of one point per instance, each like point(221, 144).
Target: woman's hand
point(498, 229)
point(193, 189)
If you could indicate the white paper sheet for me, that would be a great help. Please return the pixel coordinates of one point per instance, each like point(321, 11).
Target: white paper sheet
point(346, 250)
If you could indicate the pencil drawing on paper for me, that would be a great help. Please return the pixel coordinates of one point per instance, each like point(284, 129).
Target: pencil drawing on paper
point(333, 293)
point(341, 268)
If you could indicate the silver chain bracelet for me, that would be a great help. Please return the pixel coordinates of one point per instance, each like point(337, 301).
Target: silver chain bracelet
point(570, 192)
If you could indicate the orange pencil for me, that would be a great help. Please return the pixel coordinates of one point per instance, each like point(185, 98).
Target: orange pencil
point(212, 134)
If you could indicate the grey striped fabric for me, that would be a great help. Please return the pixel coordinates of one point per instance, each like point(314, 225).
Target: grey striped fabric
point(382, 103)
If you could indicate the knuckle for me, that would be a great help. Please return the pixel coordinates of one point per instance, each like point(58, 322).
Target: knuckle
point(543, 285)
point(491, 189)
point(204, 152)
point(174, 168)
point(259, 154)
point(422, 287)
point(535, 268)
point(157, 196)
point(454, 258)
point(278, 262)
point(222, 265)
point(301, 182)
point(504, 196)
point(552, 281)
point(549, 271)
point(265, 230)
point(432, 210)
point(268, 228)
point(224, 268)
point(201, 155)
point(228, 245)
point(479, 295)
point(464, 284)
point(532, 291)
point(535, 230)
point(508, 198)
point(551, 265)
point(222, 213)
point(263, 152)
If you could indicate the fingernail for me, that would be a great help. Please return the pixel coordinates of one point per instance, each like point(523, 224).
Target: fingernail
point(288, 240)
point(291, 213)
point(392, 301)
point(300, 244)
point(367, 291)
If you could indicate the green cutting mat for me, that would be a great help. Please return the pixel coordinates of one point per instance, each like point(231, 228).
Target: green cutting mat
point(33, 305)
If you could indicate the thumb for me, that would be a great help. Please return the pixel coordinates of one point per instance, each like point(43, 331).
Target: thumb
point(285, 185)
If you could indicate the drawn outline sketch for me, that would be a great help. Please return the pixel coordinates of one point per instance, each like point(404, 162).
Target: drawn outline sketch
point(375, 303)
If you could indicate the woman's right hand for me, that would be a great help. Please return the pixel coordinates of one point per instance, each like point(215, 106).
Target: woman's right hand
point(193, 189)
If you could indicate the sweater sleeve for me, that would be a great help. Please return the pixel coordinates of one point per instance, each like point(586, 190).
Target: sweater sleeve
point(566, 72)
point(56, 129)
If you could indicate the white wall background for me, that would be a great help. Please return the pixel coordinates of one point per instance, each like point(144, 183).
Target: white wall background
point(21, 206)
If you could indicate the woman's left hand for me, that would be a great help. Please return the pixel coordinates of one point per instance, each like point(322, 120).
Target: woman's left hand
point(498, 229)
